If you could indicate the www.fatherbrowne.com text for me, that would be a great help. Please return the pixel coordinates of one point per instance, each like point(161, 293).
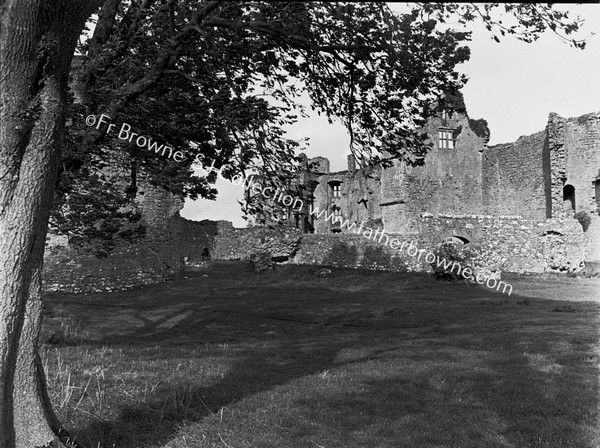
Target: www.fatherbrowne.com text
point(371, 234)
point(413, 251)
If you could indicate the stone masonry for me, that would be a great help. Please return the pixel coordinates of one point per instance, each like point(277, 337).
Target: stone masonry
point(516, 200)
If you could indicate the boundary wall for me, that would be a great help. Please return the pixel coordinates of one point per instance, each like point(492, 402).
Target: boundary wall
point(511, 244)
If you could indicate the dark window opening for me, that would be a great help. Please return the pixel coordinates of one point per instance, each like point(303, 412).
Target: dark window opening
point(569, 197)
point(309, 224)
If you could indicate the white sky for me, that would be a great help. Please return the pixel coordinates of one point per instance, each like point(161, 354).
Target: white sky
point(512, 84)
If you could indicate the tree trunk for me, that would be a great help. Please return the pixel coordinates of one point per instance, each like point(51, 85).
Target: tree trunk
point(37, 42)
point(35, 422)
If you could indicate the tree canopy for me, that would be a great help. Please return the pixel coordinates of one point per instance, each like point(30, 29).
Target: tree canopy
point(220, 81)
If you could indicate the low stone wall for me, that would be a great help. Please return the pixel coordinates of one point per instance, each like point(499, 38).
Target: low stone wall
point(151, 260)
point(524, 245)
point(160, 256)
point(239, 244)
point(510, 244)
point(197, 239)
point(66, 269)
point(352, 251)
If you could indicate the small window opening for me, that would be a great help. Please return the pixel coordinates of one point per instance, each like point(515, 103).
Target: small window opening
point(446, 139)
point(337, 190)
point(568, 197)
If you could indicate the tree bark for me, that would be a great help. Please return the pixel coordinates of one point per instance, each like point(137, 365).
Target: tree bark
point(37, 42)
point(35, 421)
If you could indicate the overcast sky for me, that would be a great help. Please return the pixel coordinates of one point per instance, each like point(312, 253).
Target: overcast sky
point(512, 84)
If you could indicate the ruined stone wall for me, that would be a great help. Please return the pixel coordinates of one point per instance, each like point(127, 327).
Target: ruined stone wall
point(197, 239)
point(319, 165)
point(514, 179)
point(359, 198)
point(353, 251)
point(238, 244)
point(525, 245)
point(450, 181)
point(70, 270)
point(556, 155)
point(150, 260)
point(160, 214)
point(512, 244)
point(517, 245)
point(527, 177)
point(577, 157)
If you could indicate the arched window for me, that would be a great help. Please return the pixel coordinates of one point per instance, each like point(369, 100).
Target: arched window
point(568, 197)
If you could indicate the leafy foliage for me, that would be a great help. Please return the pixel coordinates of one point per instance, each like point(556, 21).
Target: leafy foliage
point(584, 219)
point(480, 128)
point(220, 81)
point(525, 21)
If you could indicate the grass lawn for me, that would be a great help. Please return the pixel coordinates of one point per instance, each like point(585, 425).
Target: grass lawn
point(228, 358)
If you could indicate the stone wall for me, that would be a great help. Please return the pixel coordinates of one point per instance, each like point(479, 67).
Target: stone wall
point(352, 251)
point(67, 269)
point(578, 156)
point(153, 259)
point(160, 215)
point(450, 181)
point(528, 177)
point(359, 199)
point(556, 154)
point(516, 244)
point(197, 240)
point(515, 182)
point(524, 245)
point(239, 244)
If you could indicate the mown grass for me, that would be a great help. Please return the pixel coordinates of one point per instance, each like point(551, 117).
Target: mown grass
point(226, 358)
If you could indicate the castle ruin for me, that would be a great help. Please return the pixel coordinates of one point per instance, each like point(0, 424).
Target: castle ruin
point(516, 200)
point(551, 174)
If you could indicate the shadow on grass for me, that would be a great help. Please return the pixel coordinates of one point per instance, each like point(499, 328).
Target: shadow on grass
point(416, 366)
